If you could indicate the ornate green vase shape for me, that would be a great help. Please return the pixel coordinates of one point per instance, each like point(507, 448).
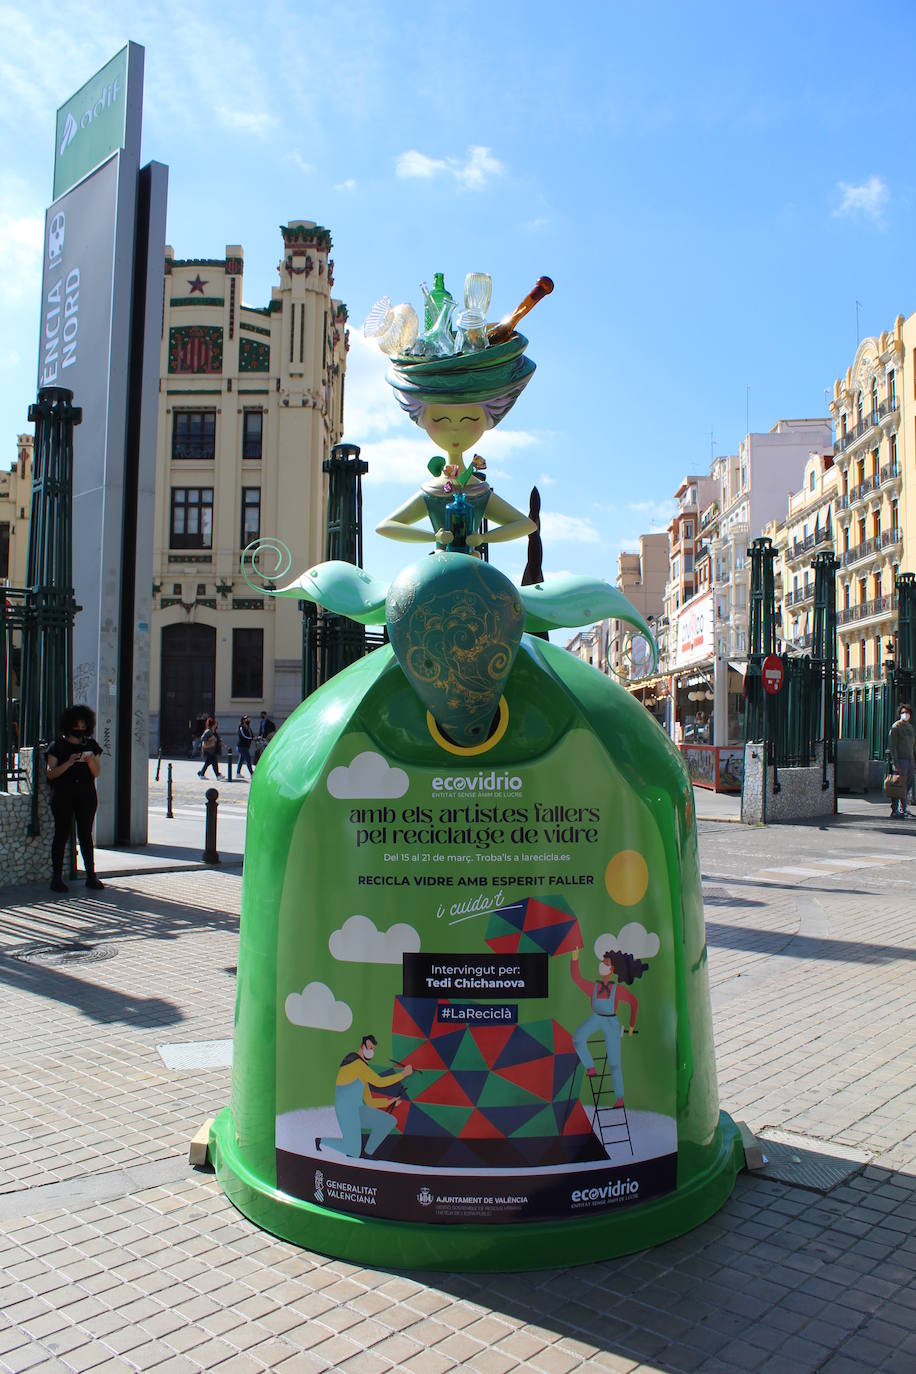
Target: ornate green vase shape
point(455, 625)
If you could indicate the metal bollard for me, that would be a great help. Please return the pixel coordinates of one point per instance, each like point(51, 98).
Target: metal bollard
point(229, 765)
point(168, 795)
point(210, 854)
point(158, 764)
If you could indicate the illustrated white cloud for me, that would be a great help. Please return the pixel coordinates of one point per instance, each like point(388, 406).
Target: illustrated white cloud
point(633, 939)
point(359, 941)
point(369, 776)
point(316, 1006)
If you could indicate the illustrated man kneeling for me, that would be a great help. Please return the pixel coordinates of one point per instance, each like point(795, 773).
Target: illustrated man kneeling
point(357, 1110)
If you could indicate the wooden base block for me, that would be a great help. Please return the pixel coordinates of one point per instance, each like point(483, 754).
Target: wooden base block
point(197, 1150)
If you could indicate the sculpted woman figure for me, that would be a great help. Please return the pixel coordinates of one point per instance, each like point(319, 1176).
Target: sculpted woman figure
point(456, 400)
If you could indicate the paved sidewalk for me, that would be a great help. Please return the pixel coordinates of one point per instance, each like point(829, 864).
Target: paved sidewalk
point(116, 1256)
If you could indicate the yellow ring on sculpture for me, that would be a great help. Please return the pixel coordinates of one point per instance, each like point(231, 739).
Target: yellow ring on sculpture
point(469, 750)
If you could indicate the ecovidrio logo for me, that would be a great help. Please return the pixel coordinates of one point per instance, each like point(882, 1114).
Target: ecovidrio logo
point(477, 784)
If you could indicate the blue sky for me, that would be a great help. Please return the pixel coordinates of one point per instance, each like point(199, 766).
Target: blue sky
point(711, 187)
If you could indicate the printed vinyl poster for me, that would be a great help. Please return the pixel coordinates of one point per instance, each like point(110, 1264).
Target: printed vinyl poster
point(476, 994)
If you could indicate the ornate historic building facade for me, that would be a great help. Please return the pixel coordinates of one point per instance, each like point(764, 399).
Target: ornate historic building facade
point(251, 401)
point(15, 506)
point(873, 410)
point(808, 529)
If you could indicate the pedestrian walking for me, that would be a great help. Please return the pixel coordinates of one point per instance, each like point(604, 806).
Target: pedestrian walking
point(245, 741)
point(72, 766)
point(901, 742)
point(211, 747)
point(266, 731)
point(197, 728)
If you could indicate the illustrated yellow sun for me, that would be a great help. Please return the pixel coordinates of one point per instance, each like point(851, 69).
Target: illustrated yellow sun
point(627, 877)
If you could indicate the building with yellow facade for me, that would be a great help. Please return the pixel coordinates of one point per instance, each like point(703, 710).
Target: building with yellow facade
point(808, 529)
point(874, 411)
point(251, 401)
point(15, 507)
point(641, 576)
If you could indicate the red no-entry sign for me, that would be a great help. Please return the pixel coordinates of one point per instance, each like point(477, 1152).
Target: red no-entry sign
point(773, 674)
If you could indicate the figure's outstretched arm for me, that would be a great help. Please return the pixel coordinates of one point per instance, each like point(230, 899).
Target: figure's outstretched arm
point(504, 523)
point(403, 524)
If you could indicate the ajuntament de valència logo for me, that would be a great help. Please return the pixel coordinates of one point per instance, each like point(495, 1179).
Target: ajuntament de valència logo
point(104, 102)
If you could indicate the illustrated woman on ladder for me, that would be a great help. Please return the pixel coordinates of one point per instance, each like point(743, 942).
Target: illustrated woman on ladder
point(606, 994)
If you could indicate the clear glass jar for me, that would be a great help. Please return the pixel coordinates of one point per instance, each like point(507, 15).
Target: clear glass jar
point(471, 332)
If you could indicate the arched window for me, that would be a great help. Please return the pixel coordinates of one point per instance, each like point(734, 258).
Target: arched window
point(874, 398)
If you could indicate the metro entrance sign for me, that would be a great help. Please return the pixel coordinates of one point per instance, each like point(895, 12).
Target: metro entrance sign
point(773, 674)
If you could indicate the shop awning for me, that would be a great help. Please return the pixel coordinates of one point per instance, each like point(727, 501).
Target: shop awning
point(654, 680)
point(693, 671)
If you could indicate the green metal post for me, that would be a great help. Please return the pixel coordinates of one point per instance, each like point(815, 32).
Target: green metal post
point(4, 701)
point(337, 641)
point(903, 678)
point(49, 607)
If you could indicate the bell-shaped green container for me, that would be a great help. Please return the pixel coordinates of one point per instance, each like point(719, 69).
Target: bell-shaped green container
point(473, 1026)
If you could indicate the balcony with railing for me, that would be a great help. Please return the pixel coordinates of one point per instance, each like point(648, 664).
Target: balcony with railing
point(799, 547)
point(880, 607)
point(890, 473)
point(864, 489)
point(800, 596)
point(872, 673)
point(869, 422)
point(871, 546)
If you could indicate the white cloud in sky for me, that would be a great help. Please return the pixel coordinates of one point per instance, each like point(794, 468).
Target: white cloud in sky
point(256, 122)
point(559, 528)
point(471, 174)
point(868, 199)
point(348, 185)
point(658, 513)
point(299, 161)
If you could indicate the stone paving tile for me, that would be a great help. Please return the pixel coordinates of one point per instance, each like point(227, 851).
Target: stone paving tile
point(816, 1035)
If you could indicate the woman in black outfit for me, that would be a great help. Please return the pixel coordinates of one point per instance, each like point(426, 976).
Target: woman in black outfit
point(72, 763)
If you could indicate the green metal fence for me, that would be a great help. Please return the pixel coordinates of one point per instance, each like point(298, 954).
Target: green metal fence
point(797, 724)
point(868, 710)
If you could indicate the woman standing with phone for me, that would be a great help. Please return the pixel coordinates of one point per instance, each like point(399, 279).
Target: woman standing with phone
point(72, 765)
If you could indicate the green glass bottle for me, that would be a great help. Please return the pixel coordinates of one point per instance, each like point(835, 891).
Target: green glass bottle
point(439, 294)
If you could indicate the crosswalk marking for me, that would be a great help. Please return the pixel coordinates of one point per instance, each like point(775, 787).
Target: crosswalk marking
point(829, 865)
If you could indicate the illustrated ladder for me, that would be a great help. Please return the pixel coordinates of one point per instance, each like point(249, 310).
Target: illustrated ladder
point(609, 1122)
